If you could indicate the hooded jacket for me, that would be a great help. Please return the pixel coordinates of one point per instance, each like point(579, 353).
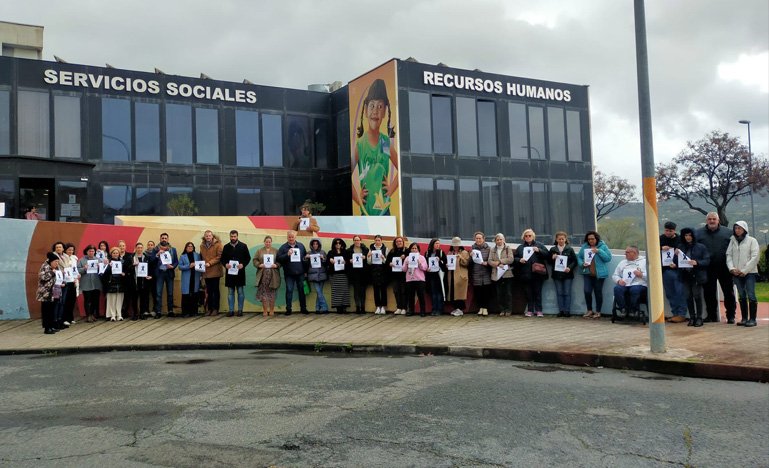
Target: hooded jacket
point(742, 254)
point(696, 251)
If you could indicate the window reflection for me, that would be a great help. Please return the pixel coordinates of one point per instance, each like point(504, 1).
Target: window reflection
point(115, 129)
point(443, 129)
point(33, 127)
point(247, 138)
point(5, 122)
point(559, 206)
point(178, 134)
point(147, 125)
point(422, 202)
point(520, 205)
point(207, 136)
point(419, 123)
point(492, 213)
point(536, 133)
point(487, 128)
point(519, 140)
point(447, 207)
point(540, 208)
point(469, 207)
point(574, 132)
point(116, 200)
point(66, 121)
point(298, 141)
point(272, 140)
point(148, 201)
point(467, 132)
point(556, 134)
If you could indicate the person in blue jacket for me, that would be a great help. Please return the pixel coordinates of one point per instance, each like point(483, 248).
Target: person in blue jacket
point(190, 280)
point(594, 257)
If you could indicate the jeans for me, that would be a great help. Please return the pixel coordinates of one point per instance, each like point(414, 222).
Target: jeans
point(212, 294)
point(718, 273)
point(320, 300)
point(634, 293)
point(593, 285)
point(436, 292)
point(58, 308)
point(674, 291)
point(358, 292)
point(746, 286)
point(563, 294)
point(167, 280)
point(295, 281)
point(231, 298)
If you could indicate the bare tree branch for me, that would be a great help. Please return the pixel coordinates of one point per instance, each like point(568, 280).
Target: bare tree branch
point(611, 193)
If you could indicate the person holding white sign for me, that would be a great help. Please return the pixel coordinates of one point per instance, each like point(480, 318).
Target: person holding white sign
point(398, 277)
point(415, 279)
point(483, 289)
point(48, 292)
point(531, 262)
point(144, 285)
point(294, 272)
point(165, 274)
point(359, 274)
point(436, 276)
point(58, 249)
point(694, 278)
point(114, 287)
point(211, 253)
point(267, 276)
point(564, 262)
point(671, 280)
point(90, 284)
point(306, 224)
point(237, 252)
point(629, 280)
point(379, 276)
point(190, 280)
point(501, 258)
point(595, 271)
point(458, 277)
point(317, 275)
point(340, 285)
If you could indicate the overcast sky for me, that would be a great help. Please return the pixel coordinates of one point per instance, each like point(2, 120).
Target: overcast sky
point(708, 59)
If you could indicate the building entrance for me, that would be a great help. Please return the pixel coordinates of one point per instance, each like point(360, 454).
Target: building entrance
point(38, 192)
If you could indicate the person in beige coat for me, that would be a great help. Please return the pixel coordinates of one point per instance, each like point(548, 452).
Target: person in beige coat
point(458, 278)
point(267, 277)
point(211, 253)
point(501, 258)
point(312, 223)
point(742, 262)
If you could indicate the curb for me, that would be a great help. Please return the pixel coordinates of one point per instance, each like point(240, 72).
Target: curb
point(660, 366)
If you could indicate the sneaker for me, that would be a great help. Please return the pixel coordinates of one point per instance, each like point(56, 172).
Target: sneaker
point(540, 314)
point(67, 323)
point(120, 319)
point(528, 313)
point(113, 319)
point(480, 311)
point(485, 311)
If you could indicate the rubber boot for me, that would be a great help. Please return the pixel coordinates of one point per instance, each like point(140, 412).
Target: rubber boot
point(744, 312)
point(753, 315)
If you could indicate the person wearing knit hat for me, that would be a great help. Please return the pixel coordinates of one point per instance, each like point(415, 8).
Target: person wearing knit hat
point(742, 262)
point(45, 291)
point(691, 264)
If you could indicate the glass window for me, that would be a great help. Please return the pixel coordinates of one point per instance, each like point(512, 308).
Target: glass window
point(443, 130)
point(487, 128)
point(559, 206)
point(148, 201)
point(343, 140)
point(422, 207)
point(178, 134)
point(419, 123)
point(7, 196)
point(116, 200)
point(72, 210)
point(274, 203)
point(539, 208)
point(272, 140)
point(467, 130)
point(447, 207)
point(207, 201)
point(147, 125)
point(577, 197)
point(520, 201)
point(469, 207)
point(173, 192)
point(492, 210)
point(517, 125)
point(33, 130)
point(321, 143)
point(115, 129)
point(247, 138)
point(555, 134)
point(536, 132)
point(249, 202)
point(5, 123)
point(574, 132)
point(66, 121)
point(207, 135)
point(298, 141)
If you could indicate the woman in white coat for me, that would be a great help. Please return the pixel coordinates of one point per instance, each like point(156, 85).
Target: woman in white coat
point(742, 261)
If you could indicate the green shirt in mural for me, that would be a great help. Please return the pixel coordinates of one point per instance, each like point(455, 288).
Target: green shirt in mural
point(373, 167)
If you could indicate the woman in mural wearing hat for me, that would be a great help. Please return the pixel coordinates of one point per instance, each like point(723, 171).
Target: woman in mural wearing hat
point(375, 156)
point(46, 295)
point(458, 277)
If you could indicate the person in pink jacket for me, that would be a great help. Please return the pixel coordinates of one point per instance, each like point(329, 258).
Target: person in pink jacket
point(415, 279)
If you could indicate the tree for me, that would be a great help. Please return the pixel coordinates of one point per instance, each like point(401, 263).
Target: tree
point(619, 233)
point(611, 193)
point(712, 171)
point(316, 207)
point(182, 205)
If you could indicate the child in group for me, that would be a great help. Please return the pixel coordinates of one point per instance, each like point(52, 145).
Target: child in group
point(415, 280)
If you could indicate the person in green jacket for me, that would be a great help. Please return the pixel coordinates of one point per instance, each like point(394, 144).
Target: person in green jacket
point(594, 257)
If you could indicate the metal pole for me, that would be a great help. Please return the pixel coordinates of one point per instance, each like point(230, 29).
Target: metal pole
point(753, 226)
point(656, 302)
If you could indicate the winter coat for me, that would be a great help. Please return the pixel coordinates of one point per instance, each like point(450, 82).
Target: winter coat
point(743, 255)
point(379, 274)
point(311, 230)
point(637, 264)
point(433, 278)
point(695, 251)
point(212, 255)
point(151, 261)
point(238, 252)
point(88, 281)
point(480, 273)
point(395, 275)
point(330, 262)
point(188, 269)
point(165, 270)
point(716, 242)
point(571, 262)
point(46, 279)
point(524, 269)
point(671, 242)
point(415, 274)
point(507, 257)
point(358, 271)
point(112, 283)
point(259, 259)
point(601, 260)
point(289, 267)
point(460, 277)
point(319, 274)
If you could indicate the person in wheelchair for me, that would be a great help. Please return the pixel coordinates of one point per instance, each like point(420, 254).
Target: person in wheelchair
point(629, 280)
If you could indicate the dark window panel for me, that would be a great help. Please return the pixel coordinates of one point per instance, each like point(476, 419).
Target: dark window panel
point(446, 210)
point(419, 123)
point(492, 213)
point(487, 128)
point(321, 143)
point(147, 125)
point(148, 201)
point(467, 129)
point(272, 140)
point(33, 124)
point(520, 206)
point(574, 132)
point(207, 135)
point(556, 134)
point(443, 128)
point(66, 124)
point(469, 207)
point(116, 200)
point(422, 207)
point(579, 209)
point(5, 123)
point(519, 139)
point(299, 147)
point(178, 134)
point(536, 133)
point(559, 206)
point(247, 138)
point(249, 202)
point(540, 208)
point(116, 129)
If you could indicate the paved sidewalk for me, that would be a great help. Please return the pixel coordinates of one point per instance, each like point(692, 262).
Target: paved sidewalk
point(715, 350)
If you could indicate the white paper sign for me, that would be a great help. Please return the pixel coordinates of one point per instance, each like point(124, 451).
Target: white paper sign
point(102, 268)
point(92, 266)
point(589, 256)
point(413, 260)
point(667, 257)
point(295, 255)
point(141, 270)
point(166, 258)
point(200, 265)
point(628, 274)
point(561, 262)
point(232, 267)
point(527, 253)
point(397, 264)
point(59, 277)
point(315, 261)
point(100, 255)
point(501, 269)
point(477, 256)
point(683, 260)
point(269, 260)
point(68, 275)
point(75, 274)
point(304, 224)
point(435, 264)
point(357, 260)
point(117, 267)
point(376, 257)
point(451, 262)
point(338, 263)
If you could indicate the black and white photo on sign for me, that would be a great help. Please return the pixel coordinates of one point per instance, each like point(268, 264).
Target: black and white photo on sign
point(117, 267)
point(501, 269)
point(102, 268)
point(166, 258)
point(269, 260)
point(200, 265)
point(315, 260)
point(683, 260)
point(376, 257)
point(59, 277)
point(451, 262)
point(295, 255)
point(560, 262)
point(232, 267)
point(667, 257)
point(589, 257)
point(93, 266)
point(141, 270)
point(338, 263)
point(527, 253)
point(357, 260)
point(397, 264)
point(477, 256)
point(304, 224)
point(413, 260)
point(434, 264)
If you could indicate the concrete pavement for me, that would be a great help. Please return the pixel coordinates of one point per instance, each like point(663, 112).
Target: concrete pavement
point(714, 351)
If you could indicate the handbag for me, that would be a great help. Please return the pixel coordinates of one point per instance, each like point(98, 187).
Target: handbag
point(306, 287)
point(539, 268)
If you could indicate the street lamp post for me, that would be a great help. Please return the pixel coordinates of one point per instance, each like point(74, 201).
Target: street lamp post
point(539, 155)
point(750, 171)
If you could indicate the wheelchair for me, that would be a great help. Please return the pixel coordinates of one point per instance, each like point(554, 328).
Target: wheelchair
point(639, 314)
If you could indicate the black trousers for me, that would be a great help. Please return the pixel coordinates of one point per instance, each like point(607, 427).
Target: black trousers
point(69, 302)
point(380, 295)
point(399, 289)
point(47, 314)
point(190, 304)
point(143, 294)
point(721, 274)
point(212, 293)
point(416, 288)
point(91, 302)
point(358, 290)
point(483, 296)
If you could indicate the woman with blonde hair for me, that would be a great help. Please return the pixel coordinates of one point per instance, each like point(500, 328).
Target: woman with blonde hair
point(267, 278)
point(211, 253)
point(501, 258)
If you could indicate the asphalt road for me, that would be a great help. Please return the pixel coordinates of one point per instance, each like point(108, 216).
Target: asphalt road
point(262, 408)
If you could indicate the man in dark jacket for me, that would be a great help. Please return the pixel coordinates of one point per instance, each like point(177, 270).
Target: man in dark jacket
point(291, 257)
point(693, 277)
point(235, 258)
point(671, 281)
point(164, 275)
point(716, 239)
